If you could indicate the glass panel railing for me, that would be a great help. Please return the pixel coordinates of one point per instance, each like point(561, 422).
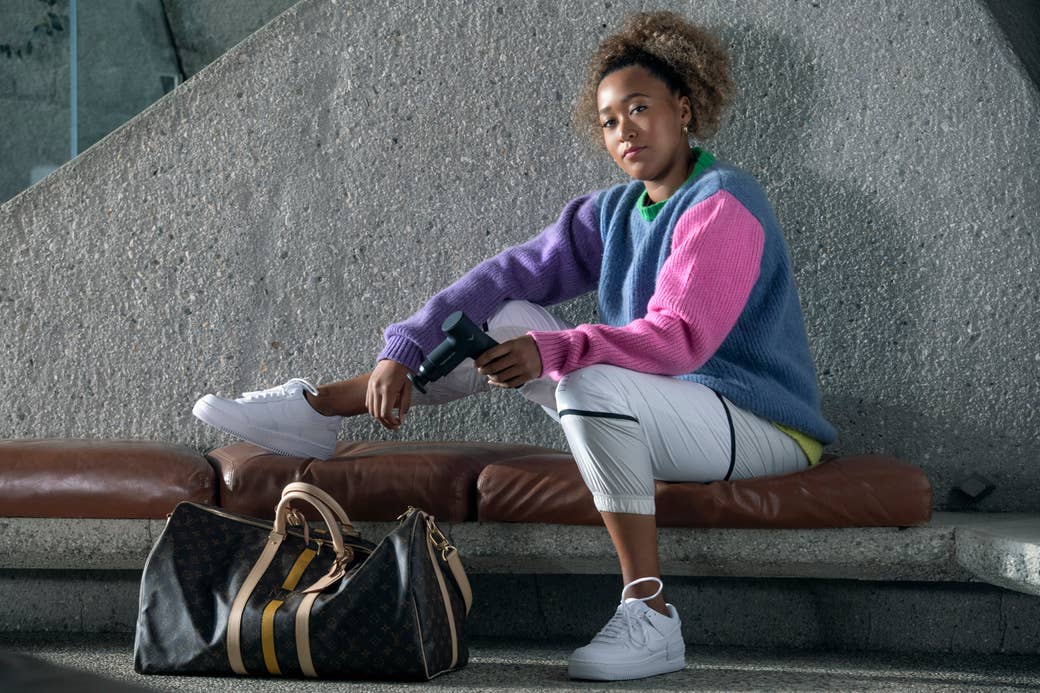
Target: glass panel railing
point(126, 62)
point(34, 91)
point(72, 71)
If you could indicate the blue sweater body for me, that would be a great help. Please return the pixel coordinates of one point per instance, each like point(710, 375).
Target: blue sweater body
point(764, 365)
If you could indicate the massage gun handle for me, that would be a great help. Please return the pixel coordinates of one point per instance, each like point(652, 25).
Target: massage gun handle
point(465, 340)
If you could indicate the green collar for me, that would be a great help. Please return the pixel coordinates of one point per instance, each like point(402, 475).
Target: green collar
point(703, 160)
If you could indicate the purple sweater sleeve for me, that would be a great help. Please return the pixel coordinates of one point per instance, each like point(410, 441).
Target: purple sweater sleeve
point(560, 263)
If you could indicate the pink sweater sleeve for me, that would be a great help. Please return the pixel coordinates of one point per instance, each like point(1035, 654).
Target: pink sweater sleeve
point(701, 290)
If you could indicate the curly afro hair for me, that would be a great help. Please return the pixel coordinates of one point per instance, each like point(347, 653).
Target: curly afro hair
point(687, 58)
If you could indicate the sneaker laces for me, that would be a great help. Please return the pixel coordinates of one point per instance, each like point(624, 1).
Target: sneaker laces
point(279, 391)
point(623, 623)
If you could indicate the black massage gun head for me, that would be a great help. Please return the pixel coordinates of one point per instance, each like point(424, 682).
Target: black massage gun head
point(464, 339)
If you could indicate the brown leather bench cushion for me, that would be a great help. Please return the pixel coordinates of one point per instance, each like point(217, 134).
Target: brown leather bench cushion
point(855, 491)
point(454, 481)
point(100, 478)
point(372, 480)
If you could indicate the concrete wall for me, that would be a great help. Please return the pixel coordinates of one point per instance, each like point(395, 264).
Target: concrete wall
point(272, 215)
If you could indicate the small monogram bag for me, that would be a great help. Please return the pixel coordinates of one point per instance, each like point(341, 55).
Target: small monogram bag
point(226, 594)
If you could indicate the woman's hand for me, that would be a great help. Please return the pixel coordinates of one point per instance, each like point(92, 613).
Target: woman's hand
point(388, 387)
point(511, 363)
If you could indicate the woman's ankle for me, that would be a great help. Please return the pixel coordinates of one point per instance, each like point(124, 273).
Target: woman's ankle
point(341, 398)
point(658, 604)
point(318, 403)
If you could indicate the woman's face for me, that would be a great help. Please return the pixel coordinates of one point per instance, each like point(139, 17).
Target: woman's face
point(642, 121)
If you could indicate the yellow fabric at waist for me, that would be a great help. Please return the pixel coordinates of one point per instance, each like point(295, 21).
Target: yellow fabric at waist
point(813, 448)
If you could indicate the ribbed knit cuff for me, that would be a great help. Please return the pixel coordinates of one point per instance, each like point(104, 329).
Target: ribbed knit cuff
point(553, 347)
point(403, 351)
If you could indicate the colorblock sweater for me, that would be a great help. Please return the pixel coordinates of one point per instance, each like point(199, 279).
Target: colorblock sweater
point(698, 287)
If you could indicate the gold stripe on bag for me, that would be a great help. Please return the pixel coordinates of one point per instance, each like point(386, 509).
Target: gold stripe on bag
point(267, 620)
point(298, 569)
point(238, 606)
point(267, 636)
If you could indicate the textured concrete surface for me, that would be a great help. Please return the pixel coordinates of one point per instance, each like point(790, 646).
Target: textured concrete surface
point(797, 613)
point(76, 543)
point(864, 588)
point(518, 665)
point(876, 553)
point(271, 216)
point(1002, 549)
point(865, 553)
point(999, 548)
point(89, 601)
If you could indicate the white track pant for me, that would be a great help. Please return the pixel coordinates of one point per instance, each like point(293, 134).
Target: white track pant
point(627, 428)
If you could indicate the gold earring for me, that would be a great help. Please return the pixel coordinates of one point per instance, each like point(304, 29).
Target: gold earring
point(685, 130)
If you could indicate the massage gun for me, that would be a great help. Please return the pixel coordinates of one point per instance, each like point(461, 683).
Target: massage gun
point(465, 340)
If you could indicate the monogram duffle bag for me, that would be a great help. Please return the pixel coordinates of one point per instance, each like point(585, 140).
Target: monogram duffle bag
point(227, 594)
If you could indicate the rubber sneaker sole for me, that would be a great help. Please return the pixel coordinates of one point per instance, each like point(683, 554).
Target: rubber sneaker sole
point(275, 441)
point(654, 665)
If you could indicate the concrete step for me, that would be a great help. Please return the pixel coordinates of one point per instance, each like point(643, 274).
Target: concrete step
point(809, 614)
point(516, 665)
point(934, 588)
point(997, 548)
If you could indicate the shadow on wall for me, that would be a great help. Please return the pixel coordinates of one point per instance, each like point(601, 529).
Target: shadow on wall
point(859, 279)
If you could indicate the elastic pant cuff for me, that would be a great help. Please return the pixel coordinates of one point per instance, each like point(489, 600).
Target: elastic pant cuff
point(638, 505)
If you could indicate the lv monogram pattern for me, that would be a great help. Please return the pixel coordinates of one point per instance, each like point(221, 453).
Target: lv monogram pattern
point(382, 621)
point(430, 603)
point(373, 633)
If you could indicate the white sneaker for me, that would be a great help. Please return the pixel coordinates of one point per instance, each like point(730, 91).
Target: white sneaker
point(279, 419)
point(636, 642)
